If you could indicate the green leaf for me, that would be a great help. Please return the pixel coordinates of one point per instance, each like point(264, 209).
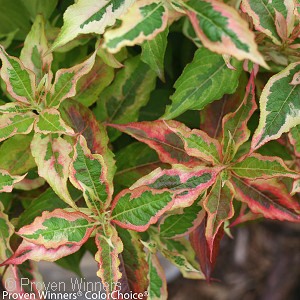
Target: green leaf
point(91, 85)
point(133, 162)
point(122, 100)
point(52, 156)
point(88, 173)
point(139, 208)
point(36, 7)
point(40, 204)
point(15, 123)
point(72, 262)
point(257, 166)
point(221, 29)
point(262, 12)
point(150, 18)
point(181, 221)
point(109, 247)
point(7, 38)
point(15, 155)
point(157, 289)
point(134, 259)
point(158, 135)
point(50, 121)
point(294, 137)
point(268, 198)
point(234, 125)
point(14, 17)
point(205, 79)
point(6, 231)
point(20, 82)
point(219, 207)
point(66, 80)
point(279, 106)
point(90, 17)
point(153, 53)
point(33, 54)
point(58, 228)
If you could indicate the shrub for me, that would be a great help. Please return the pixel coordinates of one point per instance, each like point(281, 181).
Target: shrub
point(94, 157)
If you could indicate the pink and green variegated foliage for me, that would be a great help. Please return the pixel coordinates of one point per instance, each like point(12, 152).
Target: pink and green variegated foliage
point(102, 148)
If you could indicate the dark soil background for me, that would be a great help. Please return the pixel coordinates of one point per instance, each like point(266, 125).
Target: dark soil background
point(262, 262)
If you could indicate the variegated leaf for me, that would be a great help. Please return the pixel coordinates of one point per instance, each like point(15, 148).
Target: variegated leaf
point(14, 107)
point(20, 82)
point(65, 82)
point(139, 208)
point(159, 136)
point(7, 181)
point(258, 166)
point(122, 100)
point(58, 228)
point(198, 144)
point(181, 221)
point(235, 130)
point(179, 252)
point(157, 289)
point(182, 263)
point(221, 29)
point(153, 53)
point(263, 14)
point(205, 79)
point(30, 184)
point(27, 250)
point(33, 54)
point(150, 18)
point(267, 198)
point(296, 187)
point(91, 85)
point(16, 123)
point(83, 121)
point(50, 121)
point(90, 17)
point(279, 106)
point(15, 155)
point(219, 207)
point(52, 156)
point(109, 247)
point(88, 172)
point(186, 184)
point(294, 137)
point(134, 259)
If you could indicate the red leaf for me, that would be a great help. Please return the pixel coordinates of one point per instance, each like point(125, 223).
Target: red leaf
point(207, 261)
point(159, 136)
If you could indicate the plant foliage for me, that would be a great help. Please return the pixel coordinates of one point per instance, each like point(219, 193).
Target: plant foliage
point(210, 91)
